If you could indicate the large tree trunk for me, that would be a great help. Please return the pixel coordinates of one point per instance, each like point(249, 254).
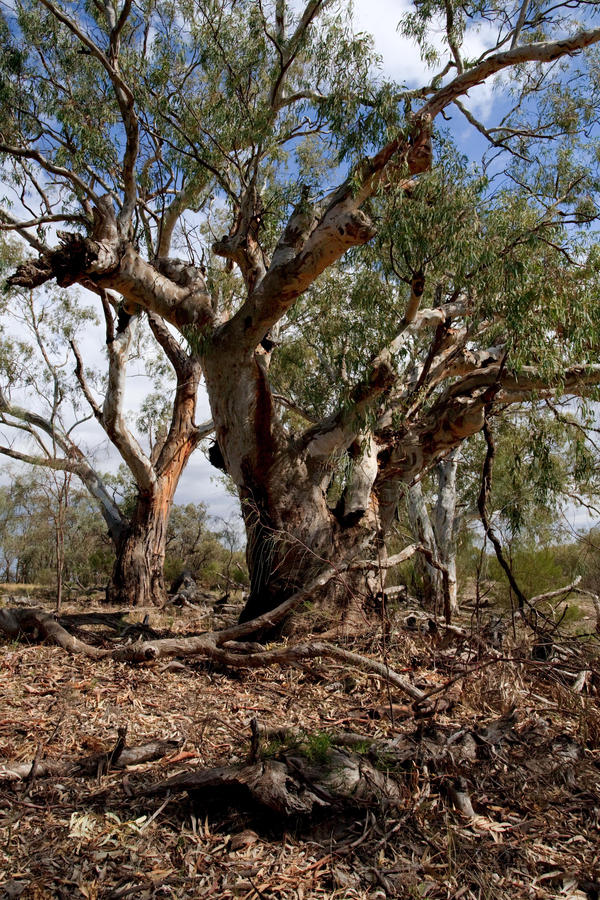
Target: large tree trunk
point(292, 532)
point(137, 578)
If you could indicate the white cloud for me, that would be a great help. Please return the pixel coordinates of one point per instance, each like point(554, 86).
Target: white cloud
point(401, 59)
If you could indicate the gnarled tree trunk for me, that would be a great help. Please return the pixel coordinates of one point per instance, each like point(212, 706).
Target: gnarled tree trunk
point(291, 530)
point(397, 422)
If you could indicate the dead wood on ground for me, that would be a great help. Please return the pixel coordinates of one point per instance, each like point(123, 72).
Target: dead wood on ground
point(89, 765)
point(223, 647)
point(292, 785)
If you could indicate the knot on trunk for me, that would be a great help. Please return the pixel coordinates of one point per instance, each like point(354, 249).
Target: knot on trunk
point(76, 257)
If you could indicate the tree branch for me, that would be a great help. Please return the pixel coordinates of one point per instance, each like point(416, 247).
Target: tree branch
point(542, 51)
point(80, 375)
point(171, 346)
point(486, 485)
point(125, 100)
point(113, 417)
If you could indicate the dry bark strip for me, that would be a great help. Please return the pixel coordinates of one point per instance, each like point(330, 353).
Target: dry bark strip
point(223, 646)
point(89, 765)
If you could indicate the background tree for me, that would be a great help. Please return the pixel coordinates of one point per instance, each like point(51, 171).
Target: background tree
point(122, 121)
point(28, 544)
point(545, 468)
point(44, 367)
point(212, 554)
point(437, 528)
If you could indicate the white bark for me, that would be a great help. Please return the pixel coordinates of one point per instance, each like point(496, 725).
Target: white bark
point(357, 494)
point(420, 523)
point(444, 526)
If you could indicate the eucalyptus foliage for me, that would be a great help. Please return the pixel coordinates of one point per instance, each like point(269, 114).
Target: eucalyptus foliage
point(361, 283)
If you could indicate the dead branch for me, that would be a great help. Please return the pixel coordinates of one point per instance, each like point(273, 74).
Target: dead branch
point(17, 622)
point(486, 484)
point(89, 765)
point(549, 595)
point(219, 646)
point(209, 646)
point(116, 621)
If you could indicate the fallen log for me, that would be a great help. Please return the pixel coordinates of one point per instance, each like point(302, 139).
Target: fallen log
point(223, 646)
point(89, 765)
point(18, 622)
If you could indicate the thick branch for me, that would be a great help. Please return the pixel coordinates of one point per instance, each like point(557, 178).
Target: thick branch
point(177, 293)
point(16, 621)
point(209, 646)
point(89, 765)
point(543, 51)
point(551, 595)
point(316, 237)
point(171, 346)
point(339, 430)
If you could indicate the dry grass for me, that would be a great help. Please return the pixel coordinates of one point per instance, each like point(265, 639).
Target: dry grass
point(536, 790)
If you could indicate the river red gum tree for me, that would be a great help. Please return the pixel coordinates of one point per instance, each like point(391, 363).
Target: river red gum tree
point(398, 419)
point(138, 538)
